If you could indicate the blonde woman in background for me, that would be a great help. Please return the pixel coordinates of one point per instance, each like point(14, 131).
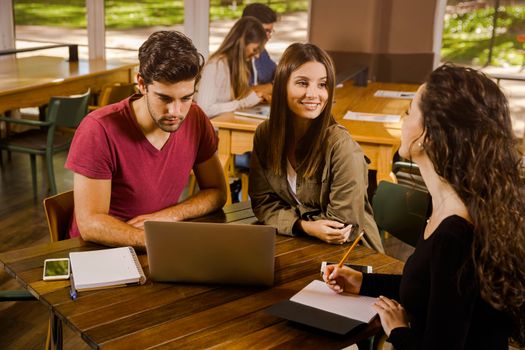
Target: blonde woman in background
point(225, 81)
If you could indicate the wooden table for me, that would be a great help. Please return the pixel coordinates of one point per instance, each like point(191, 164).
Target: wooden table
point(31, 81)
point(169, 315)
point(379, 141)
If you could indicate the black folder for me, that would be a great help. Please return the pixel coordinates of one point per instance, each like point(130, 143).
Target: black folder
point(313, 317)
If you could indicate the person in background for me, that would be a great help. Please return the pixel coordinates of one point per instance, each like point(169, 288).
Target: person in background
point(463, 287)
point(225, 84)
point(261, 78)
point(307, 175)
point(131, 160)
point(263, 67)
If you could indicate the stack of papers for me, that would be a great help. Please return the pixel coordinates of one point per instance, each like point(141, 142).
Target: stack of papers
point(372, 117)
point(395, 94)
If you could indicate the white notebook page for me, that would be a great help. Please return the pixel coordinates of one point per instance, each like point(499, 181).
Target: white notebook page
point(318, 295)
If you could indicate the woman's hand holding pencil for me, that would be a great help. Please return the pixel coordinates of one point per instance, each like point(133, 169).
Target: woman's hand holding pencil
point(341, 278)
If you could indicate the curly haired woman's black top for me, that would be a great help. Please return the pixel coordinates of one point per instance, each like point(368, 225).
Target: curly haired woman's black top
point(440, 295)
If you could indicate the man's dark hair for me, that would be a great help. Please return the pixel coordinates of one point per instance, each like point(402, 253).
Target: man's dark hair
point(260, 11)
point(170, 57)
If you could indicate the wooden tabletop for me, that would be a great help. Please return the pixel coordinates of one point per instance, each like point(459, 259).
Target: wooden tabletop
point(362, 99)
point(30, 81)
point(197, 316)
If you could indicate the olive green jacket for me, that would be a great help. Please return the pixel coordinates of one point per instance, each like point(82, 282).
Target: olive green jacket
point(337, 192)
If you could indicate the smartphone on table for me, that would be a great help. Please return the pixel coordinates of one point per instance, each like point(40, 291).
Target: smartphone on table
point(56, 269)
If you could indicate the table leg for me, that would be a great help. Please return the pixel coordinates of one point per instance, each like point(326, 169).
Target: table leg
point(226, 159)
point(56, 331)
point(226, 164)
point(384, 164)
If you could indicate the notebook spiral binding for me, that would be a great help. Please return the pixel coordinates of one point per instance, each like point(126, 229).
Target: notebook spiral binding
point(142, 278)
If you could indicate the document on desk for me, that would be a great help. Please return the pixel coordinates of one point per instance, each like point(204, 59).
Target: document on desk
point(318, 295)
point(259, 112)
point(372, 117)
point(395, 94)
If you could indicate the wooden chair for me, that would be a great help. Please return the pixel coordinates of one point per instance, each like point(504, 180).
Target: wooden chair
point(59, 210)
point(402, 211)
point(50, 136)
point(112, 93)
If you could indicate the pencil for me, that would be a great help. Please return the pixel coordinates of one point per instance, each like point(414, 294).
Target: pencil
point(343, 259)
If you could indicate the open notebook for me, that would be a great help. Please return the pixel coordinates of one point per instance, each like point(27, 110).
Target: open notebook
point(106, 268)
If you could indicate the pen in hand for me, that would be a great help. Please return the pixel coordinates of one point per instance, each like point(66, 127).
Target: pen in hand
point(331, 278)
point(343, 259)
point(72, 290)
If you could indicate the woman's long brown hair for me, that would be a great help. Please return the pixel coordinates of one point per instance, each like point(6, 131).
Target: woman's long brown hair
point(280, 124)
point(246, 30)
point(470, 142)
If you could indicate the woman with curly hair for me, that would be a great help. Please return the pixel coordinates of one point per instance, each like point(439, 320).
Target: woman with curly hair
point(463, 288)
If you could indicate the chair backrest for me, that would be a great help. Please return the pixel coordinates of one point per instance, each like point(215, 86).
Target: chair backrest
point(68, 111)
point(112, 93)
point(407, 173)
point(59, 209)
point(402, 211)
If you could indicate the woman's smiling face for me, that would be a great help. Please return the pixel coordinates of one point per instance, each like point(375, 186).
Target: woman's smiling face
point(307, 93)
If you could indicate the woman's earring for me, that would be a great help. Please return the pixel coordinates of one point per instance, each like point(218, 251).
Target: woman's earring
point(420, 145)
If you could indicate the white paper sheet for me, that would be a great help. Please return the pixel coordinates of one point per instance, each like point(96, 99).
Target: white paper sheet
point(318, 295)
point(408, 95)
point(259, 112)
point(371, 117)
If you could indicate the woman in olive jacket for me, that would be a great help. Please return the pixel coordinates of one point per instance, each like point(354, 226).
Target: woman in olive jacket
point(307, 175)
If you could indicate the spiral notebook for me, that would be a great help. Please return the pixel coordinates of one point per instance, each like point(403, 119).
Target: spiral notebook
point(106, 268)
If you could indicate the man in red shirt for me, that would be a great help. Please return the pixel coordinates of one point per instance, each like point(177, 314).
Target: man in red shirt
point(132, 159)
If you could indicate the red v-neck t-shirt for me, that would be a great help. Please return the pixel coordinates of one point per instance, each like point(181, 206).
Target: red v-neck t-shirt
point(109, 144)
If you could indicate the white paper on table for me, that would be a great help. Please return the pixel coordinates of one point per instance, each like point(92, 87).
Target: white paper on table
point(318, 295)
point(395, 94)
point(372, 117)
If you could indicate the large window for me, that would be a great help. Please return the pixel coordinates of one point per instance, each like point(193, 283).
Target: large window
point(291, 26)
point(469, 35)
point(130, 22)
point(39, 23)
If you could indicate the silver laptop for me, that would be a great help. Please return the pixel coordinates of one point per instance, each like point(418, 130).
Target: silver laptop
point(210, 252)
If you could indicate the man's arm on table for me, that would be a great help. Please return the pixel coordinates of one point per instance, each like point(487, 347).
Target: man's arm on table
point(92, 198)
point(211, 196)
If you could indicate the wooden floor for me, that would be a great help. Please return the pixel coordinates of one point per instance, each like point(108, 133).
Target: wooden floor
point(22, 224)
